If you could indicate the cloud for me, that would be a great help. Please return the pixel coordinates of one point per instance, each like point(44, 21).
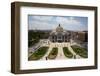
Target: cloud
point(70, 23)
point(41, 18)
point(67, 21)
point(51, 22)
point(41, 25)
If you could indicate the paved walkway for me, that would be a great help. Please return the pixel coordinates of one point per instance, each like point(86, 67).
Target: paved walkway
point(60, 54)
point(71, 50)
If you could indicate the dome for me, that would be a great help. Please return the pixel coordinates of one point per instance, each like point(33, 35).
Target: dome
point(59, 29)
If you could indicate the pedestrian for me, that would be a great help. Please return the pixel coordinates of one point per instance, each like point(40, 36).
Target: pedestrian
point(46, 58)
point(74, 56)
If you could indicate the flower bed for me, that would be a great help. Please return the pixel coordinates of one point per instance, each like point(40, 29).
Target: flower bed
point(39, 53)
point(67, 53)
point(53, 53)
point(80, 51)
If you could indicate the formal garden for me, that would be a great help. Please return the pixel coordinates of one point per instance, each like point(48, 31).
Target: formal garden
point(42, 51)
point(67, 52)
point(80, 51)
point(53, 53)
point(38, 54)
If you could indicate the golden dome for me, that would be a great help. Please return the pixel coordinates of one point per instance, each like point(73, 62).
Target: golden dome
point(59, 29)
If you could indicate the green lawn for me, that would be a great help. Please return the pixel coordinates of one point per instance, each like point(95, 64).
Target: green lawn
point(38, 54)
point(80, 51)
point(53, 53)
point(67, 53)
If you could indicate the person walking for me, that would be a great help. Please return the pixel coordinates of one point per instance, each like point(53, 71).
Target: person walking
point(46, 58)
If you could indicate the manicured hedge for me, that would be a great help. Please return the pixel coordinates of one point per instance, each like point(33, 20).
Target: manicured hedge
point(67, 53)
point(53, 53)
point(80, 51)
point(39, 53)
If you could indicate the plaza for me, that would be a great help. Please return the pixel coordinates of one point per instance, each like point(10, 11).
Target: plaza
point(60, 51)
point(60, 44)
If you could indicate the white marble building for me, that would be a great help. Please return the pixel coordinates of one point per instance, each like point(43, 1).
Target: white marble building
point(59, 35)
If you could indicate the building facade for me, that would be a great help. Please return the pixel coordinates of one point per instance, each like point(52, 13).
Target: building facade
point(59, 35)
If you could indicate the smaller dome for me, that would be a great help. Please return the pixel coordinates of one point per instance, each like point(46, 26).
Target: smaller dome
point(59, 29)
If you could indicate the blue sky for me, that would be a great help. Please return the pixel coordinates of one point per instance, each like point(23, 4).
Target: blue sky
point(41, 22)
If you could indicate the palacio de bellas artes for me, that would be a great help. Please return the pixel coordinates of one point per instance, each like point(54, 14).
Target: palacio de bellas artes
point(56, 44)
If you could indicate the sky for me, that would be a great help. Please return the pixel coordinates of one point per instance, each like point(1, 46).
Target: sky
point(43, 22)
